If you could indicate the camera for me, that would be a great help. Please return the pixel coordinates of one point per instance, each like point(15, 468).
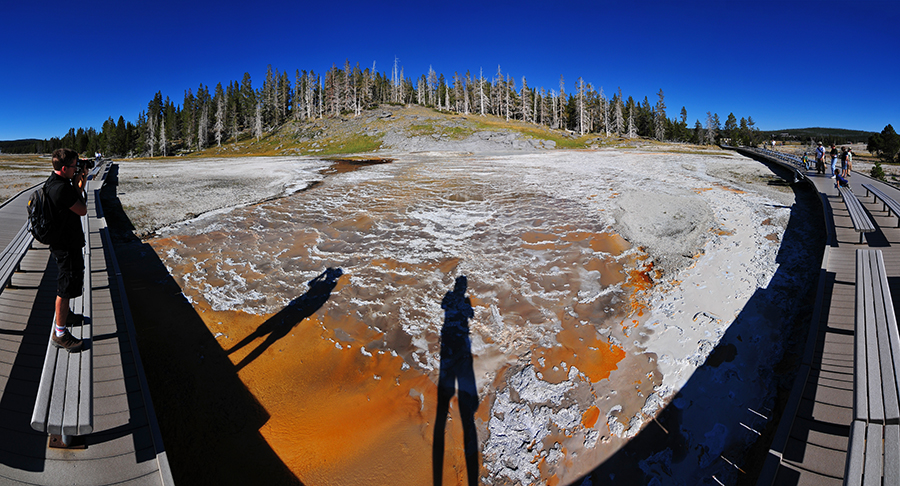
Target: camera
point(85, 165)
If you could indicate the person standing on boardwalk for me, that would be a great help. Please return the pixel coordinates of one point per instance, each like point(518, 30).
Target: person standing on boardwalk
point(849, 161)
point(834, 160)
point(844, 168)
point(65, 189)
point(820, 158)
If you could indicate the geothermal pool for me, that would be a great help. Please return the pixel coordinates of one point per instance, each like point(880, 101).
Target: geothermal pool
point(572, 347)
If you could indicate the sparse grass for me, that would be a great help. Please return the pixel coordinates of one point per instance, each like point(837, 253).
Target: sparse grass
point(355, 143)
point(420, 130)
point(449, 132)
point(562, 139)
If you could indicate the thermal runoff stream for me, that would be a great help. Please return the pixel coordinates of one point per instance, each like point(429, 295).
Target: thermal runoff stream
point(331, 303)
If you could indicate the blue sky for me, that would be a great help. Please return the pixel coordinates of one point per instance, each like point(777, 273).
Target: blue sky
point(786, 64)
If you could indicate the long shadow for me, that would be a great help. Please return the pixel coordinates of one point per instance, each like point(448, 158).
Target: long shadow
point(279, 325)
point(208, 418)
point(713, 418)
point(456, 374)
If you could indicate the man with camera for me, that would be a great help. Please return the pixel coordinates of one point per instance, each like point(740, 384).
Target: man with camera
point(66, 191)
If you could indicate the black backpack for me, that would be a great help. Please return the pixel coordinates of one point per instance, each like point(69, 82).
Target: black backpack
point(42, 218)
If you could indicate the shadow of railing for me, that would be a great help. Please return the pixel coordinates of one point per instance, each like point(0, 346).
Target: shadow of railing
point(209, 420)
point(724, 416)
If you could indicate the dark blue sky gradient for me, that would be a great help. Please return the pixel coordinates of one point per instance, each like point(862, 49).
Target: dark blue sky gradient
point(786, 64)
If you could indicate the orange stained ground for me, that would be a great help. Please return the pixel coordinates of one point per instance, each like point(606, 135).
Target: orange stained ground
point(339, 416)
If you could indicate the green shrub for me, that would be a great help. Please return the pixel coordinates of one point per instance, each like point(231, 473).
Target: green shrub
point(877, 172)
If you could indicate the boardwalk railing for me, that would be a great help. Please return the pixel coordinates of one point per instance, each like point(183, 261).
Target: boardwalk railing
point(64, 406)
point(12, 255)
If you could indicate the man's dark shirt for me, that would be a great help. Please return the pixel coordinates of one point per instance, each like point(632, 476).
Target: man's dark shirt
point(63, 195)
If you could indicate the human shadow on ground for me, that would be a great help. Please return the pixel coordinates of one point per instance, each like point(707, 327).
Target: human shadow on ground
point(712, 418)
point(456, 375)
point(210, 422)
point(277, 326)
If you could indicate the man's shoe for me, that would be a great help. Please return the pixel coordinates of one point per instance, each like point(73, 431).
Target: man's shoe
point(67, 342)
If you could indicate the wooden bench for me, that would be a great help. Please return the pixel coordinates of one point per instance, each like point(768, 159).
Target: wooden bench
point(64, 407)
point(889, 204)
point(873, 454)
point(861, 221)
point(12, 255)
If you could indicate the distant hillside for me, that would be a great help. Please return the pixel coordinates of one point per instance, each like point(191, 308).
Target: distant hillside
point(825, 135)
point(29, 146)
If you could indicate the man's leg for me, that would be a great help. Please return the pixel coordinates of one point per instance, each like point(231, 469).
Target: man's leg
point(62, 313)
point(69, 284)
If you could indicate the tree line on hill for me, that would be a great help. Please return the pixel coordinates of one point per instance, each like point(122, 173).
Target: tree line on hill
point(827, 136)
point(237, 110)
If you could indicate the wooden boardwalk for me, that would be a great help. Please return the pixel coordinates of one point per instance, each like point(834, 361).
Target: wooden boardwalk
point(126, 446)
point(810, 447)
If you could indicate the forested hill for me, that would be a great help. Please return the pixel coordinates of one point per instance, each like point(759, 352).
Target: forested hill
point(236, 110)
point(28, 146)
point(819, 134)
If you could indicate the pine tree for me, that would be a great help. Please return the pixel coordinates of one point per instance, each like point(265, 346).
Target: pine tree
point(554, 101)
point(349, 100)
point(659, 118)
point(219, 127)
point(731, 127)
point(497, 93)
point(563, 118)
point(620, 122)
point(545, 107)
point(712, 127)
point(604, 110)
point(258, 122)
point(203, 128)
point(284, 97)
point(188, 112)
point(481, 97)
point(268, 98)
point(162, 137)
point(395, 83)
point(698, 132)
point(632, 129)
point(581, 110)
point(526, 110)
point(510, 88)
point(248, 101)
point(151, 137)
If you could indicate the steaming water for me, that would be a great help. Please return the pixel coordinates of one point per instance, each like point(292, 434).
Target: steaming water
point(547, 278)
point(402, 232)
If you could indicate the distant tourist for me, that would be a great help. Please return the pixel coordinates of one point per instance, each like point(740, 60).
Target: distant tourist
point(65, 189)
point(840, 181)
point(834, 160)
point(820, 159)
point(849, 160)
point(844, 167)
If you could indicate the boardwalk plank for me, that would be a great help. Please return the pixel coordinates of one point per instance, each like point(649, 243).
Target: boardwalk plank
point(122, 448)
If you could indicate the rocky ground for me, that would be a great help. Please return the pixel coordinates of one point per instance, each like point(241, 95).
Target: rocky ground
point(20, 172)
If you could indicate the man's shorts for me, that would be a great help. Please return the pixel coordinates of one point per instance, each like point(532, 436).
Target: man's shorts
point(70, 281)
